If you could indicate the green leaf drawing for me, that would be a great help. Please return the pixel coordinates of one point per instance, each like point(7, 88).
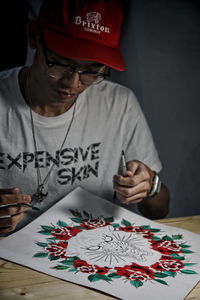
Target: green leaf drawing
point(40, 254)
point(61, 224)
point(60, 267)
point(76, 213)
point(156, 238)
point(73, 270)
point(114, 275)
point(186, 251)
point(189, 264)
point(176, 256)
point(125, 222)
point(76, 220)
point(176, 236)
point(115, 225)
point(50, 257)
point(40, 244)
point(182, 245)
point(44, 232)
point(160, 275)
point(154, 230)
point(47, 228)
point(167, 238)
point(67, 262)
point(172, 274)
point(110, 219)
point(52, 238)
point(188, 272)
point(161, 281)
point(136, 283)
point(97, 277)
point(146, 227)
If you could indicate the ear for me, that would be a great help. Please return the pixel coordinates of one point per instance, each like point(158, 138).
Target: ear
point(33, 34)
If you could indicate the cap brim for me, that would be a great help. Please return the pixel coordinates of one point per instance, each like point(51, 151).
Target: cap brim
point(70, 47)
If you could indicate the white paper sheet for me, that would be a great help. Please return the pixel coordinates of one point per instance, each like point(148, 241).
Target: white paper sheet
point(92, 242)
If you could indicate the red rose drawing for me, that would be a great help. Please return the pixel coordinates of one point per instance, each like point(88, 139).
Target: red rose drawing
point(135, 272)
point(58, 249)
point(166, 263)
point(64, 233)
point(137, 229)
point(166, 247)
point(83, 266)
point(93, 223)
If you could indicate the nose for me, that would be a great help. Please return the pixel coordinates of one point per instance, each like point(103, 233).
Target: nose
point(73, 80)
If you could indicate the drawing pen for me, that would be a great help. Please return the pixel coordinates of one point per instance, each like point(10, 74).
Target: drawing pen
point(29, 206)
point(124, 168)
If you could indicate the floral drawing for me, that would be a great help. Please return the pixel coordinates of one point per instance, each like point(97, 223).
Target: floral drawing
point(106, 250)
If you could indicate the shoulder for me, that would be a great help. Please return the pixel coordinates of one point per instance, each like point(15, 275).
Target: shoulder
point(8, 86)
point(8, 79)
point(6, 74)
point(113, 92)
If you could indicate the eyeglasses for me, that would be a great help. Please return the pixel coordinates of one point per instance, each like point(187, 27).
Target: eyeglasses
point(58, 71)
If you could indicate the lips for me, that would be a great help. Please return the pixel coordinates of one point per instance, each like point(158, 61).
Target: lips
point(66, 95)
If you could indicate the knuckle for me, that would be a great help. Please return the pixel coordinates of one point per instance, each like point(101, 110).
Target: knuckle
point(144, 174)
point(144, 195)
point(127, 193)
point(3, 199)
point(132, 182)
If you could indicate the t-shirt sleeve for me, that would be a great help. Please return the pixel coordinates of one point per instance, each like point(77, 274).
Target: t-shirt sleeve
point(139, 140)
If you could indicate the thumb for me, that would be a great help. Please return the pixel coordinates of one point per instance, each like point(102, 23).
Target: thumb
point(133, 166)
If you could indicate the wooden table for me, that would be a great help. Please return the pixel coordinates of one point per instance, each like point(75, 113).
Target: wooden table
point(17, 282)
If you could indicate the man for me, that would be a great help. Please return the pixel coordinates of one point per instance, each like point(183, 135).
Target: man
point(63, 125)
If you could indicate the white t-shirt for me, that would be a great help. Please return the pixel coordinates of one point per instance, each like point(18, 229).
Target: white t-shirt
point(107, 119)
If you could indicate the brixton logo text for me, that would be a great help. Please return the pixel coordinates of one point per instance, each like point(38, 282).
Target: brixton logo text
point(91, 23)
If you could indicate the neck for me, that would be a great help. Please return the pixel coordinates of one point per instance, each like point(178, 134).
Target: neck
point(36, 100)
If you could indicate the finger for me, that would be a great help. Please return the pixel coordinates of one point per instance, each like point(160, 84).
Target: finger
point(9, 191)
point(11, 210)
point(122, 180)
point(9, 224)
point(131, 200)
point(128, 191)
point(6, 199)
point(133, 166)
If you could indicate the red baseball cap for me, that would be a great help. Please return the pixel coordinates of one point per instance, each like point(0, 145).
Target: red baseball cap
point(87, 30)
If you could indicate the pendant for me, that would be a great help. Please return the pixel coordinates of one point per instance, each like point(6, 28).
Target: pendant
point(41, 194)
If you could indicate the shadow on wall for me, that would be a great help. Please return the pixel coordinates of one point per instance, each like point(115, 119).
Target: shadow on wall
point(187, 189)
point(161, 48)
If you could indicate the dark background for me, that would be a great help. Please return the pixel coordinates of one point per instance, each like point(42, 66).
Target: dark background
point(161, 48)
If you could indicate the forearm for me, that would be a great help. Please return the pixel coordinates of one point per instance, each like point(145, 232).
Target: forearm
point(157, 206)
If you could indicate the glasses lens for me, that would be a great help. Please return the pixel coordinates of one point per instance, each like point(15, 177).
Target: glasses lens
point(89, 78)
point(58, 71)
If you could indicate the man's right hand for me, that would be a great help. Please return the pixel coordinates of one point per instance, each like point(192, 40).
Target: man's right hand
point(11, 212)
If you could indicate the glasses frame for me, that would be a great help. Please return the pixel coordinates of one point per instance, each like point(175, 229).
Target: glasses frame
point(102, 76)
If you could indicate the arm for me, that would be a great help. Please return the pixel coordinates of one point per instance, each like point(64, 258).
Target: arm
point(155, 207)
point(135, 186)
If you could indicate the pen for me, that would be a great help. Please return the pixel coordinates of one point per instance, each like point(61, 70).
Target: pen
point(29, 206)
point(124, 169)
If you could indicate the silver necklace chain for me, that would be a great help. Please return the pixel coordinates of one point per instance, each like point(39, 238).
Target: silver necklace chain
point(41, 192)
